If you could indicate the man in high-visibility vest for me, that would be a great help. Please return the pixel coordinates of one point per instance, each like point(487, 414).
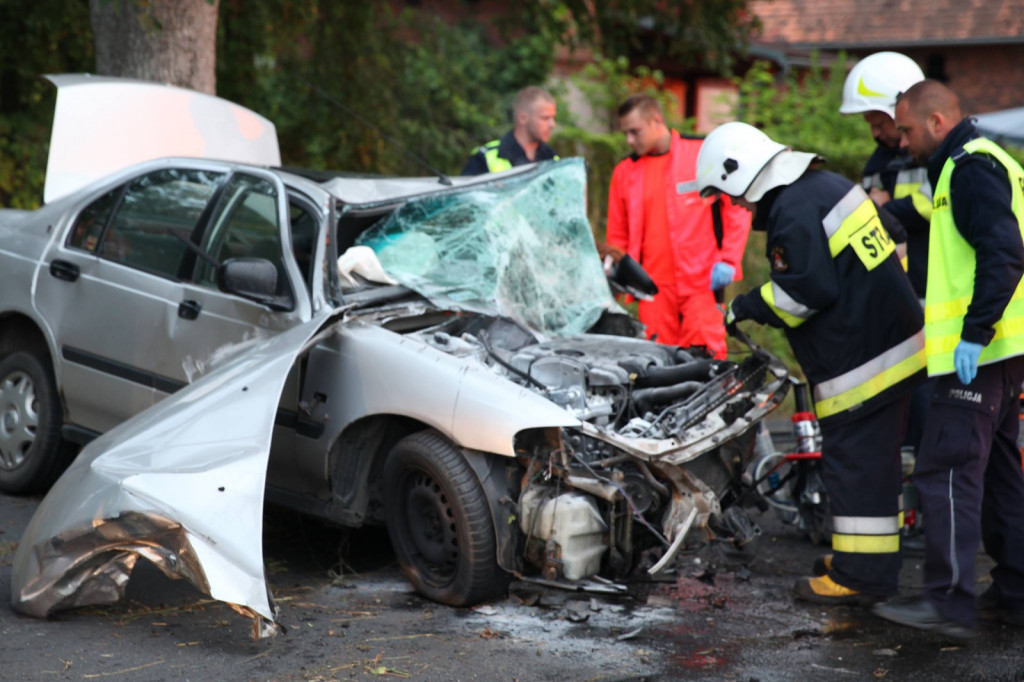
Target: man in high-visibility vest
point(968, 469)
point(533, 112)
point(690, 246)
point(839, 292)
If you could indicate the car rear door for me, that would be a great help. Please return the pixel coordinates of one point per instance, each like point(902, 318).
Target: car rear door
point(106, 287)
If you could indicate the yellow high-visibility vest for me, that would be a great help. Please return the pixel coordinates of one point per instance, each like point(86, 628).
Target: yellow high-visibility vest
point(951, 268)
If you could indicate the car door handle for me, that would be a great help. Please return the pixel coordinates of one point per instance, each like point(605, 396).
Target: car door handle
point(189, 310)
point(61, 269)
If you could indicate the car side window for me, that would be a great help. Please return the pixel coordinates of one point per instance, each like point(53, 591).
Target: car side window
point(91, 220)
point(156, 218)
point(244, 225)
point(304, 231)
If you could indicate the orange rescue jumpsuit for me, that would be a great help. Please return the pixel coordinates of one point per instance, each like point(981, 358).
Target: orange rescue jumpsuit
point(656, 215)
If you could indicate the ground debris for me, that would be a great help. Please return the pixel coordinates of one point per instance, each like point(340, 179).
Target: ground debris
point(885, 652)
point(486, 610)
point(577, 615)
point(490, 634)
point(125, 671)
point(629, 635)
point(375, 667)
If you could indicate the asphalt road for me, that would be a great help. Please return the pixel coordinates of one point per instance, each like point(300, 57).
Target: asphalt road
point(350, 614)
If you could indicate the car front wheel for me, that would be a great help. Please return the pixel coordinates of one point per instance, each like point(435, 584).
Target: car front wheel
point(31, 453)
point(440, 523)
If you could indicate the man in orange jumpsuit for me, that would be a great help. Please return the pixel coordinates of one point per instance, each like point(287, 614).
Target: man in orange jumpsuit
point(656, 215)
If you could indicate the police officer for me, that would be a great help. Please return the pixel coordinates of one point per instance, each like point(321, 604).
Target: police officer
point(838, 290)
point(534, 120)
point(968, 469)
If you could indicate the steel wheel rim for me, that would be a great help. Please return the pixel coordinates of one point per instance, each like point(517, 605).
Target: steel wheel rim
point(19, 419)
point(430, 530)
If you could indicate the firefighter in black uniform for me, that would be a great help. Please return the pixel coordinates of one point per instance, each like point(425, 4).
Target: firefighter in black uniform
point(899, 186)
point(533, 112)
point(838, 290)
point(968, 469)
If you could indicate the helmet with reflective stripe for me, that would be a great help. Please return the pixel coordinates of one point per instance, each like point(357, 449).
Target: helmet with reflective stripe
point(875, 82)
point(731, 157)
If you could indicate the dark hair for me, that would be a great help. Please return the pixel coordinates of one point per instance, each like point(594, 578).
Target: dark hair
point(644, 103)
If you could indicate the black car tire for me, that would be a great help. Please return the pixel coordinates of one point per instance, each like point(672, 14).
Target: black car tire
point(32, 455)
point(440, 523)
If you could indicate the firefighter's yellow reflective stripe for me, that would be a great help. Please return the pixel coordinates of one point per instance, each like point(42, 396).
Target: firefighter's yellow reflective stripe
point(901, 519)
point(866, 544)
point(871, 378)
point(854, 222)
point(865, 525)
point(913, 183)
point(782, 304)
point(852, 201)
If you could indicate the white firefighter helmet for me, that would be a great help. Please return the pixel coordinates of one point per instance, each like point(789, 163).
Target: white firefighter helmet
point(875, 81)
point(739, 160)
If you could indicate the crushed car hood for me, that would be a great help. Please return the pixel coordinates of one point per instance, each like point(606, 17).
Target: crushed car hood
point(102, 125)
point(180, 484)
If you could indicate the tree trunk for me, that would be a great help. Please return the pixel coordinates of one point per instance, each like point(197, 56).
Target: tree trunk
point(168, 41)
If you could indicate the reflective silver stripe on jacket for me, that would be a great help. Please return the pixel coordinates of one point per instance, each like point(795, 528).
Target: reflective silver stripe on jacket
point(787, 304)
point(869, 181)
point(873, 367)
point(842, 210)
point(866, 525)
point(918, 176)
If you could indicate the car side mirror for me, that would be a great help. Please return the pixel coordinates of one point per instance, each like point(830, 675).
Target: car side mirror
point(252, 278)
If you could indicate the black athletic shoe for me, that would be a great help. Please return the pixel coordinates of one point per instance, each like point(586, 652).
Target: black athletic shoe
point(992, 605)
point(921, 613)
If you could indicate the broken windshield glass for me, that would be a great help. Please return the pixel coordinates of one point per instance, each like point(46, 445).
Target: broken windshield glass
point(521, 247)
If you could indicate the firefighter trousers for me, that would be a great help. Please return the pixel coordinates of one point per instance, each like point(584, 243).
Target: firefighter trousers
point(693, 320)
point(968, 474)
point(860, 461)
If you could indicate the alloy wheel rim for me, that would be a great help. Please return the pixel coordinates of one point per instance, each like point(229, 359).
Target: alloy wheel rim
point(19, 419)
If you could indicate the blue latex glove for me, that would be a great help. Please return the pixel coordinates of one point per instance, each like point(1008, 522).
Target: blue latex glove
point(721, 275)
point(965, 360)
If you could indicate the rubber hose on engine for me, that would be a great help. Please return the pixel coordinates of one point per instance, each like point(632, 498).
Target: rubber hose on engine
point(647, 398)
point(699, 370)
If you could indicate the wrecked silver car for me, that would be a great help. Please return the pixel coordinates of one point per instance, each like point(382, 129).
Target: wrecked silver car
point(441, 357)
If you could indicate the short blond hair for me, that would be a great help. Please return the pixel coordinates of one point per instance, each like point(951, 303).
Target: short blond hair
point(526, 97)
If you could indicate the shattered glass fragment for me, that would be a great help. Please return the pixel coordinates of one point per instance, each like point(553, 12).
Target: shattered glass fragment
point(523, 245)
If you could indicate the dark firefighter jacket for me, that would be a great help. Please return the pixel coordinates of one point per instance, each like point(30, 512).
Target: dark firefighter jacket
point(981, 200)
point(895, 171)
point(838, 290)
point(508, 149)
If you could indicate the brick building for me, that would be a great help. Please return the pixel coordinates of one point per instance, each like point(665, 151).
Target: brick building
point(974, 46)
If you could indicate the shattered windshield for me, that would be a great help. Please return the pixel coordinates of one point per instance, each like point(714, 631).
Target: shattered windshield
point(522, 247)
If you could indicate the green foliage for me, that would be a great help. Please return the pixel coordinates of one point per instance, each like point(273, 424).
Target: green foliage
point(605, 83)
point(704, 33)
point(439, 89)
point(36, 37)
point(802, 110)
